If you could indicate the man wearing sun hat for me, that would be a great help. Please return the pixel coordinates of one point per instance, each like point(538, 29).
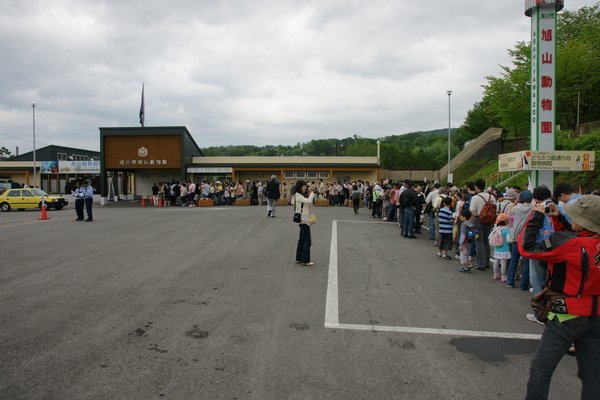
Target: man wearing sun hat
point(573, 289)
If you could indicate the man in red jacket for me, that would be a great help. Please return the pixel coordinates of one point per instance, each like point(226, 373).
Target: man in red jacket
point(573, 260)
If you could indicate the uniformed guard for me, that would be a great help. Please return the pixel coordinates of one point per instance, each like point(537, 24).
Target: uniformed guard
point(88, 196)
point(78, 193)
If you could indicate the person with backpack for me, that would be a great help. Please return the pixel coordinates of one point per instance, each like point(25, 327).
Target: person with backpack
point(468, 234)
point(467, 199)
point(569, 304)
point(483, 207)
point(517, 217)
point(499, 240)
point(377, 198)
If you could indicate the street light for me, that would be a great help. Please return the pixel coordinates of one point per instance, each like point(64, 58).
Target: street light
point(34, 164)
point(449, 93)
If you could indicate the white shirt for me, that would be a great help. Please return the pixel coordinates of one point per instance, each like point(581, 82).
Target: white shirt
point(432, 195)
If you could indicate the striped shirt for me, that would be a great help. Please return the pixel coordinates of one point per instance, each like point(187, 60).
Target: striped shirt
point(446, 220)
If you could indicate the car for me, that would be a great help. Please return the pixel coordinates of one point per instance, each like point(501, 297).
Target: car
point(29, 198)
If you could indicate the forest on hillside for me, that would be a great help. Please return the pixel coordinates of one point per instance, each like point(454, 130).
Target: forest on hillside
point(505, 103)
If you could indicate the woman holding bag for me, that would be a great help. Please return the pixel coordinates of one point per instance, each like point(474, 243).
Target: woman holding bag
point(303, 200)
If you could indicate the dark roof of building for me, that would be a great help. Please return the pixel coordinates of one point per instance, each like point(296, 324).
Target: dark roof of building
point(53, 149)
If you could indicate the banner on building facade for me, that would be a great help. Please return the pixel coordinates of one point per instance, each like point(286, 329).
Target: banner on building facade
point(49, 167)
point(528, 160)
point(79, 167)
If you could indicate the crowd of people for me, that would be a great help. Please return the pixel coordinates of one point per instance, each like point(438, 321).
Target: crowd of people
point(222, 193)
point(226, 193)
point(550, 240)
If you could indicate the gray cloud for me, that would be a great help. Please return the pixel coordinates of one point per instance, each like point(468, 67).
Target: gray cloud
point(247, 72)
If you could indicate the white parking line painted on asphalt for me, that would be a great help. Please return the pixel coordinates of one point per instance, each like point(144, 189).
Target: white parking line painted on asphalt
point(23, 223)
point(432, 331)
point(332, 305)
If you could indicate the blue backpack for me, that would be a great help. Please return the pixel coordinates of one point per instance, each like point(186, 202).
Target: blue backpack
point(471, 234)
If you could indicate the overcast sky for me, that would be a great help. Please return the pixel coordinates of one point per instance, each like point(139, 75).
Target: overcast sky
point(247, 71)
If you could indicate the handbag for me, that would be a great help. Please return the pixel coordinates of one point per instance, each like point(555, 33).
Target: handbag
point(543, 301)
point(297, 217)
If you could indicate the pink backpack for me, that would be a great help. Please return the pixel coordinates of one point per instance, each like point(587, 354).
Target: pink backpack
point(495, 238)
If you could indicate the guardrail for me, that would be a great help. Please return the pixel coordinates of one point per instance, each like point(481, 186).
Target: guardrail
point(499, 177)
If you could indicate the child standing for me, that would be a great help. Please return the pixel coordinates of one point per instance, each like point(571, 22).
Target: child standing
point(446, 222)
point(502, 252)
point(466, 237)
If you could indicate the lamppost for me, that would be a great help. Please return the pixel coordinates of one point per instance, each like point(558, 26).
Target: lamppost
point(34, 164)
point(449, 93)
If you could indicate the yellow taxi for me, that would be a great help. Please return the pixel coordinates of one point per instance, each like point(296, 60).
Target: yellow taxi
point(29, 198)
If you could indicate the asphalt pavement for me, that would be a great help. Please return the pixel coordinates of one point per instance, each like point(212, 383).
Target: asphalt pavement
point(208, 303)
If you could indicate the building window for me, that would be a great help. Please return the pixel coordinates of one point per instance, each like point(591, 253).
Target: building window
point(311, 174)
point(324, 174)
point(288, 174)
point(61, 156)
point(300, 174)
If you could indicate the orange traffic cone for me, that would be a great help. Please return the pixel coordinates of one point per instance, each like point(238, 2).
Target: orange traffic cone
point(143, 201)
point(44, 216)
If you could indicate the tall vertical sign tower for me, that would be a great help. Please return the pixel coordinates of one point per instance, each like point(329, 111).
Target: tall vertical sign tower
point(543, 15)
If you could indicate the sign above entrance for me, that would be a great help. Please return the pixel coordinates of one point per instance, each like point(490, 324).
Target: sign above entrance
point(547, 161)
point(147, 152)
point(209, 170)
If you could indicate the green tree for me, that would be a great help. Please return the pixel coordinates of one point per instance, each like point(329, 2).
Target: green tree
point(478, 120)
point(4, 152)
point(578, 66)
point(508, 96)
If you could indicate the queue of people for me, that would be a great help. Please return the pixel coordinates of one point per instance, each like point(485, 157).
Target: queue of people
point(552, 242)
point(188, 193)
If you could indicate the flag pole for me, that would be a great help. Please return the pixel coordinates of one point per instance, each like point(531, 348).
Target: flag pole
point(142, 108)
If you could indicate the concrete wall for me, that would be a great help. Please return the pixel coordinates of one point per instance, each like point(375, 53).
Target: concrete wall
point(413, 175)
